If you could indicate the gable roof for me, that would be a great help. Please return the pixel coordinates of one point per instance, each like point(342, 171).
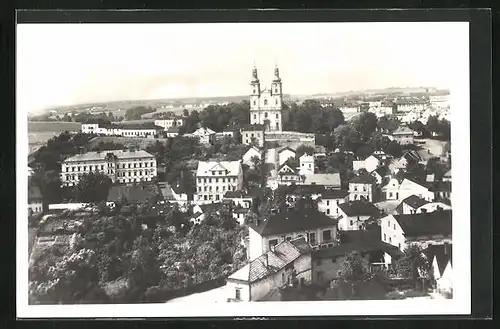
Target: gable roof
point(448, 174)
point(414, 201)
point(293, 220)
point(272, 261)
point(323, 179)
point(141, 193)
point(204, 167)
point(359, 208)
point(442, 254)
point(363, 179)
point(286, 148)
point(433, 223)
point(285, 166)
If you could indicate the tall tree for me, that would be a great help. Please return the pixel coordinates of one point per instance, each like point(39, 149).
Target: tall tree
point(412, 264)
point(366, 124)
point(93, 187)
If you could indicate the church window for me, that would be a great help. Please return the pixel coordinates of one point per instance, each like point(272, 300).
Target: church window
point(254, 102)
point(265, 114)
point(277, 116)
point(255, 116)
point(265, 101)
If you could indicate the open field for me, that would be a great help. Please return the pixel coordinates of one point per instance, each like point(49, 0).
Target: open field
point(40, 132)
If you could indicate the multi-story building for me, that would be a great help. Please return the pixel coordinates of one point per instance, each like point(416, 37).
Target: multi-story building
point(266, 105)
point(253, 134)
point(215, 178)
point(204, 135)
point(121, 166)
point(362, 187)
point(403, 135)
point(169, 123)
point(423, 229)
point(128, 130)
point(319, 230)
point(306, 164)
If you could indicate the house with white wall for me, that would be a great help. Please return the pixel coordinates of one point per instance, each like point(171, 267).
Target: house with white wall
point(215, 178)
point(239, 199)
point(362, 187)
point(396, 190)
point(372, 162)
point(410, 205)
point(286, 263)
point(403, 135)
point(288, 175)
point(204, 135)
point(329, 201)
point(423, 229)
point(354, 214)
point(319, 230)
point(252, 152)
point(306, 164)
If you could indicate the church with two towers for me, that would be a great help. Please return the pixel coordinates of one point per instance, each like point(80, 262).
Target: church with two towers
point(266, 105)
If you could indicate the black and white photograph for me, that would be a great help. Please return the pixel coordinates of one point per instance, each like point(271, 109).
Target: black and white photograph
point(222, 169)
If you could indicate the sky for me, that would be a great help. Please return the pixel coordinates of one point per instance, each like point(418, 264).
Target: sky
point(67, 64)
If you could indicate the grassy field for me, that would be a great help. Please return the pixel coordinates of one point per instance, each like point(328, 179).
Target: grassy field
point(40, 132)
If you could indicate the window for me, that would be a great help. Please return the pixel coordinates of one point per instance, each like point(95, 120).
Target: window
point(385, 237)
point(238, 294)
point(394, 226)
point(328, 211)
point(276, 102)
point(388, 223)
point(351, 222)
point(390, 240)
point(312, 238)
point(364, 188)
point(275, 90)
point(327, 235)
point(390, 194)
point(265, 115)
point(399, 245)
point(255, 116)
point(80, 167)
point(254, 102)
point(327, 203)
point(265, 101)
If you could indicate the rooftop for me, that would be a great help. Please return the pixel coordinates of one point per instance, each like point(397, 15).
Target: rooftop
point(415, 202)
point(272, 261)
point(359, 208)
point(230, 168)
point(351, 236)
point(363, 179)
point(359, 246)
point(434, 223)
point(94, 156)
point(323, 179)
point(293, 220)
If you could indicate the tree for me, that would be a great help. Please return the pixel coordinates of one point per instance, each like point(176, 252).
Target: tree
point(304, 149)
point(347, 137)
point(412, 264)
point(354, 270)
point(394, 148)
point(366, 124)
point(185, 112)
point(93, 187)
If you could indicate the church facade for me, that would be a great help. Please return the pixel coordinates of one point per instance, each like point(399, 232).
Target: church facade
point(266, 105)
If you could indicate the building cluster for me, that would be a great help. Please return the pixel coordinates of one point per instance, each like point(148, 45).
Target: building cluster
point(145, 130)
point(377, 213)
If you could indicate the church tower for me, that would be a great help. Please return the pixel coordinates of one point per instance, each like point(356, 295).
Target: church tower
point(266, 105)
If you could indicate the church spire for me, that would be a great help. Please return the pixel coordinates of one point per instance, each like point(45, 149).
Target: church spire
point(276, 73)
point(255, 78)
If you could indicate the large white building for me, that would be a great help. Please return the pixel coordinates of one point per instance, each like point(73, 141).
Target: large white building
point(120, 166)
point(130, 130)
point(266, 105)
point(169, 123)
point(215, 178)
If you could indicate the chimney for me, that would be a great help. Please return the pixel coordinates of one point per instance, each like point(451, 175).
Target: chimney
point(266, 258)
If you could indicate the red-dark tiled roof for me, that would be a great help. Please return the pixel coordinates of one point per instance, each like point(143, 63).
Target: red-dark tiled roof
point(363, 179)
point(294, 220)
point(359, 208)
point(435, 223)
point(415, 202)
